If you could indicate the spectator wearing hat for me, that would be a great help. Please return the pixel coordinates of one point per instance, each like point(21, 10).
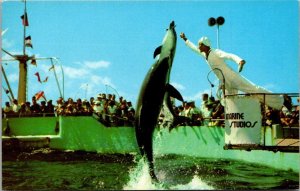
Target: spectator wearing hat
point(207, 111)
point(101, 110)
point(99, 97)
point(15, 106)
point(8, 110)
point(204, 101)
point(97, 107)
point(104, 96)
point(112, 111)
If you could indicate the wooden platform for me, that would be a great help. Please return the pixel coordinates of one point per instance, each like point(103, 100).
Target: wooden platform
point(287, 142)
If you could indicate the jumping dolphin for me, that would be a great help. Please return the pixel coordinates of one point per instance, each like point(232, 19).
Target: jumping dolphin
point(154, 90)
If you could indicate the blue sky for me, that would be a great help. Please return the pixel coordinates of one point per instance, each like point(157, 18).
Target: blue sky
point(107, 46)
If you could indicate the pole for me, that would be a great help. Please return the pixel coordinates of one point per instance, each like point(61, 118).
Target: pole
point(8, 53)
point(86, 90)
point(56, 79)
point(10, 99)
point(24, 28)
point(113, 89)
point(223, 80)
point(219, 21)
point(63, 77)
point(218, 43)
point(5, 77)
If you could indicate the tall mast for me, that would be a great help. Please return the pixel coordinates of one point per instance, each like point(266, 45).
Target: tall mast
point(23, 59)
point(22, 88)
point(24, 28)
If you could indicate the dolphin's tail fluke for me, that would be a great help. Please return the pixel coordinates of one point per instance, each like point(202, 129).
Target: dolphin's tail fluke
point(154, 179)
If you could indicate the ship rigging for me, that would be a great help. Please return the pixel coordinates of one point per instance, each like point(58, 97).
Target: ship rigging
point(23, 60)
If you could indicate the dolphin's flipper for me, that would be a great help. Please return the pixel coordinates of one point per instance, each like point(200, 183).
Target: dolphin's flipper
point(157, 51)
point(173, 92)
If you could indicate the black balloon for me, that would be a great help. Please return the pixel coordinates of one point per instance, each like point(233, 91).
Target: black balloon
point(211, 21)
point(220, 20)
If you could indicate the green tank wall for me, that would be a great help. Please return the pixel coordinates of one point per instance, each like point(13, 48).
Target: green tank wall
point(208, 142)
point(87, 134)
point(30, 126)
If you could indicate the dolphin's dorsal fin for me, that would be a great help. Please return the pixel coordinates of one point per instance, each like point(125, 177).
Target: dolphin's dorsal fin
point(174, 92)
point(157, 51)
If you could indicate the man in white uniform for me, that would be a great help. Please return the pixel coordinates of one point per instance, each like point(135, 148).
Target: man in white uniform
point(234, 82)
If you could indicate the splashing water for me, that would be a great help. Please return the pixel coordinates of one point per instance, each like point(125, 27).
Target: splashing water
point(141, 180)
point(195, 184)
point(76, 171)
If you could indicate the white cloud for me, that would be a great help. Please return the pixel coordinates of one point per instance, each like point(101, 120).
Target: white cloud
point(96, 64)
point(7, 43)
point(82, 73)
point(84, 86)
point(13, 78)
point(86, 70)
point(101, 80)
point(75, 72)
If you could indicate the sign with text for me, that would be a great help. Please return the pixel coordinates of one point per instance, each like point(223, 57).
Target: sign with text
point(242, 120)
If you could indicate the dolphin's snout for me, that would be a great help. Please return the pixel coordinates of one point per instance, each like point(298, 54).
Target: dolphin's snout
point(172, 24)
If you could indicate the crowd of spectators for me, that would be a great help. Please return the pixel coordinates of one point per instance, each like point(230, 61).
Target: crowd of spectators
point(210, 113)
point(120, 112)
point(288, 116)
point(104, 107)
